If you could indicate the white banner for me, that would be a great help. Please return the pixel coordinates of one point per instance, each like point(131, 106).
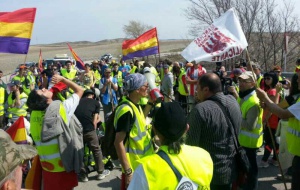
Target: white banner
point(224, 39)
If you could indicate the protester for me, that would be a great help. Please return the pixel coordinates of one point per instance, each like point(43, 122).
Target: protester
point(192, 75)
point(293, 140)
point(195, 163)
point(250, 135)
point(97, 72)
point(11, 158)
point(87, 77)
point(270, 121)
point(16, 102)
point(108, 87)
point(124, 68)
point(69, 72)
point(297, 66)
point(209, 129)
point(132, 142)
point(87, 113)
point(183, 91)
point(3, 98)
point(53, 140)
point(118, 75)
point(167, 84)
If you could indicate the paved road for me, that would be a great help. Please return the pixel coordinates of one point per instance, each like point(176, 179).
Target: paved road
point(266, 180)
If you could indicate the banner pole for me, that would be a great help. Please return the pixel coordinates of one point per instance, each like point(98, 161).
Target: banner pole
point(25, 58)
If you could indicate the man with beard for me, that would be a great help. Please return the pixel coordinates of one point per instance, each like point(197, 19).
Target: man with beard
point(209, 129)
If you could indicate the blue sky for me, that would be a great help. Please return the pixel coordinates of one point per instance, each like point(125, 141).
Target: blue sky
point(95, 20)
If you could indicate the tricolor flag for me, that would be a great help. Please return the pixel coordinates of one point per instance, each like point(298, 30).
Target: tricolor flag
point(224, 39)
point(41, 61)
point(17, 131)
point(15, 30)
point(146, 44)
point(79, 62)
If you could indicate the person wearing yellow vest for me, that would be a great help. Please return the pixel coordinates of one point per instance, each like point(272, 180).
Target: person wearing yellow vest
point(3, 97)
point(210, 130)
point(133, 69)
point(69, 72)
point(97, 72)
point(23, 78)
point(53, 165)
point(182, 87)
point(194, 163)
point(132, 142)
point(118, 75)
point(16, 102)
point(292, 113)
point(251, 134)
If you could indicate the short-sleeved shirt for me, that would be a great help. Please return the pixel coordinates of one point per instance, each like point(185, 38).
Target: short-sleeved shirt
point(273, 120)
point(85, 112)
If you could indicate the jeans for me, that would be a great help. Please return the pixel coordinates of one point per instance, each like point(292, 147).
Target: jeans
point(91, 139)
point(252, 178)
point(107, 108)
point(296, 173)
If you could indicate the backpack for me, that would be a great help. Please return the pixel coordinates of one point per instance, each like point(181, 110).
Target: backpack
point(107, 146)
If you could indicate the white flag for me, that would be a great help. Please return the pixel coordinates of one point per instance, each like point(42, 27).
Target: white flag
point(224, 39)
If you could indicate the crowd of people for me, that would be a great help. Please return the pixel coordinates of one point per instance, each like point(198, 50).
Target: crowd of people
point(192, 138)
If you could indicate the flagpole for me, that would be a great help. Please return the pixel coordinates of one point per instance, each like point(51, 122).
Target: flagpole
point(284, 61)
point(25, 58)
point(249, 62)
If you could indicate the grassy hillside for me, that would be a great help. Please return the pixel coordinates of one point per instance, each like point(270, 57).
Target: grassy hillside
point(85, 50)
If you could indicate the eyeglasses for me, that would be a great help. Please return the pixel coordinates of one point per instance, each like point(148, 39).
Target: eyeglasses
point(267, 78)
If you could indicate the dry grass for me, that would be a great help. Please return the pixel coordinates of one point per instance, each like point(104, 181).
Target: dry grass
point(85, 50)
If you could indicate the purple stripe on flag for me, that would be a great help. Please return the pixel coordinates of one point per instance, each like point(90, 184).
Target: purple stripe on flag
point(141, 53)
point(14, 45)
point(80, 66)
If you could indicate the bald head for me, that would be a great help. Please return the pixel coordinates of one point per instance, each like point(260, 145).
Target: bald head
point(212, 81)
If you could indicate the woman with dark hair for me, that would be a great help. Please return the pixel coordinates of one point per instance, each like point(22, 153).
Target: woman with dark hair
point(174, 159)
point(270, 120)
point(87, 78)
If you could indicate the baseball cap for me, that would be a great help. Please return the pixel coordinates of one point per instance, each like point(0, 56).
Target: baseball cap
point(22, 67)
point(14, 83)
point(170, 120)
point(166, 66)
point(248, 76)
point(12, 154)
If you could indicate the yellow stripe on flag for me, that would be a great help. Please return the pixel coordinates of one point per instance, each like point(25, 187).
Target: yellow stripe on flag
point(148, 44)
point(20, 135)
point(20, 30)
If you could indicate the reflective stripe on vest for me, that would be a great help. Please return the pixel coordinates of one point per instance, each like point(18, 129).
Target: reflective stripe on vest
point(48, 150)
point(293, 135)
point(17, 111)
point(139, 142)
point(251, 138)
point(192, 162)
point(97, 76)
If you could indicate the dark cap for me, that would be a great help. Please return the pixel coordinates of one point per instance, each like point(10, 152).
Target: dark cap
point(14, 83)
point(170, 120)
point(87, 92)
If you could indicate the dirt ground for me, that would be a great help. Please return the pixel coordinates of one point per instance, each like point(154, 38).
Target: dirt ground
point(85, 50)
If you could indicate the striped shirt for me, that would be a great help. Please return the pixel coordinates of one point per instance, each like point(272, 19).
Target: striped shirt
point(194, 74)
point(209, 130)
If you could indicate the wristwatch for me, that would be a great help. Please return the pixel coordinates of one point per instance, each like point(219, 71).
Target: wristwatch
point(128, 171)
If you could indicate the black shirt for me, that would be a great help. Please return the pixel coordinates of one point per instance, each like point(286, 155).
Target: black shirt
point(123, 123)
point(85, 113)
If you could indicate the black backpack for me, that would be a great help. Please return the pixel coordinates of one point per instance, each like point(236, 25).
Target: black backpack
point(107, 145)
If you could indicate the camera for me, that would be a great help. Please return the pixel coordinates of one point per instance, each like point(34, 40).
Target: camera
point(225, 81)
point(283, 81)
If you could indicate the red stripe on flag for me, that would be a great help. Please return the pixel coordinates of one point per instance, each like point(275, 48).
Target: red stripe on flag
point(79, 62)
point(142, 38)
point(17, 131)
point(19, 16)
